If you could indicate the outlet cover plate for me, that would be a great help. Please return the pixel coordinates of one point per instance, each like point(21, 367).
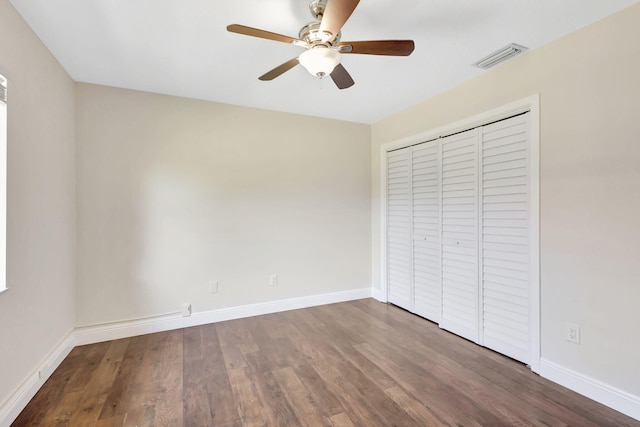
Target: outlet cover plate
point(213, 287)
point(186, 310)
point(573, 333)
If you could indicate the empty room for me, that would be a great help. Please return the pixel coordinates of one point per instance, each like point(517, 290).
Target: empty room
point(327, 212)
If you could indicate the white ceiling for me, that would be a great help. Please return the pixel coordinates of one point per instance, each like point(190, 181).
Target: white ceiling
point(181, 47)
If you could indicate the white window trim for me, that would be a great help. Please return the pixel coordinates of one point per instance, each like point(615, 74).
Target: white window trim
point(4, 286)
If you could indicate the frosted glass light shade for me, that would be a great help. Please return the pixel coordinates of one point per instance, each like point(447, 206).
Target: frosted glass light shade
point(319, 61)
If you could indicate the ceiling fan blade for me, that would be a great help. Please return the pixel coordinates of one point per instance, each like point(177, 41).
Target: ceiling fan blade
point(250, 31)
point(336, 14)
point(379, 47)
point(280, 69)
point(341, 77)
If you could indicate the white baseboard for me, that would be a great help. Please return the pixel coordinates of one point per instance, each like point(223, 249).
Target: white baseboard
point(378, 295)
point(603, 393)
point(12, 407)
point(124, 329)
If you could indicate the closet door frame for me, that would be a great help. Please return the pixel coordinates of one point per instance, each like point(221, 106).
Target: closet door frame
point(530, 104)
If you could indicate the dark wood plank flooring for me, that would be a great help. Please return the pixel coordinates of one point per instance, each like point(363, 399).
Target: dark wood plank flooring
point(360, 363)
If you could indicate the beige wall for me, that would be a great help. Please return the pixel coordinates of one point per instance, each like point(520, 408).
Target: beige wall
point(173, 193)
point(39, 308)
point(590, 186)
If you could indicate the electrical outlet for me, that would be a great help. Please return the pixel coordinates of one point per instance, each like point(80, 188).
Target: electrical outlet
point(573, 333)
point(186, 310)
point(213, 287)
point(273, 280)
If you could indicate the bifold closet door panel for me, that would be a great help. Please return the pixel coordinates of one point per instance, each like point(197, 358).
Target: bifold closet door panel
point(399, 251)
point(425, 162)
point(460, 293)
point(458, 234)
point(505, 237)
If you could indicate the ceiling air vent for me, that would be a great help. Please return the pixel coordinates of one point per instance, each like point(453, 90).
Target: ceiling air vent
point(500, 56)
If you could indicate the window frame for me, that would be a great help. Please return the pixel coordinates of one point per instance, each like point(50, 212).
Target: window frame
point(4, 286)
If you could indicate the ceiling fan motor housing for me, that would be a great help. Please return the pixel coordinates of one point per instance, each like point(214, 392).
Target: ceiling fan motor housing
point(311, 34)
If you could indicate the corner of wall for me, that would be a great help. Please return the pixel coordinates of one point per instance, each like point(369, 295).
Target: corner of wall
point(18, 400)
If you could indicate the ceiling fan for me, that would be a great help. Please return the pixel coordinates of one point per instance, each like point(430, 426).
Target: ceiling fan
point(321, 39)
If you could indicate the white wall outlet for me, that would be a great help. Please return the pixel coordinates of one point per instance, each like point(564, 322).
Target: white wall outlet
point(186, 310)
point(273, 280)
point(213, 287)
point(573, 333)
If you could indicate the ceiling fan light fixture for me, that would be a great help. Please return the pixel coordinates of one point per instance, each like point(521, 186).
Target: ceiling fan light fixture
point(319, 61)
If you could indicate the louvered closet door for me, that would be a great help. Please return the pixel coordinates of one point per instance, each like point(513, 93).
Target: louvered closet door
point(460, 293)
point(505, 237)
point(460, 313)
point(399, 266)
point(425, 162)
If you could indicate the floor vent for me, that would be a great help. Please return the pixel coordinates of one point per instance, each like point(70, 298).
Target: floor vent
point(500, 56)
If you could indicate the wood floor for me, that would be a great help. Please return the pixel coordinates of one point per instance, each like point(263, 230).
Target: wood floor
point(360, 363)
